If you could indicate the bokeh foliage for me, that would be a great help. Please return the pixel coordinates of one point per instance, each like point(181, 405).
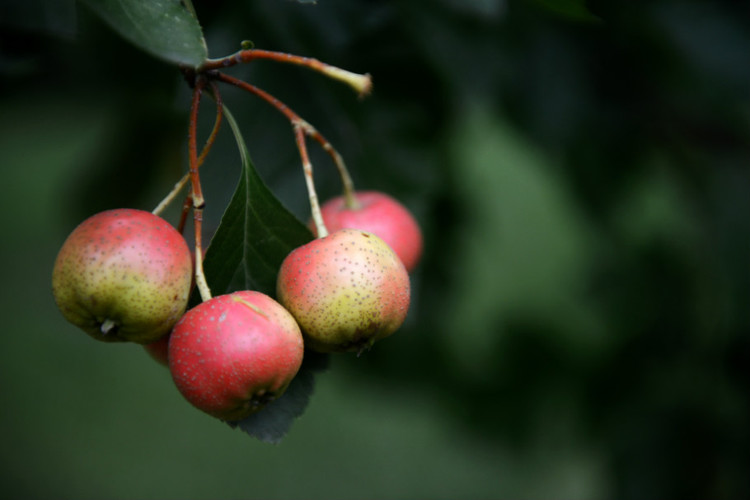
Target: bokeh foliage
point(580, 321)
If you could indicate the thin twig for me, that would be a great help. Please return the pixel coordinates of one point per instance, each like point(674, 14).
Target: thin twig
point(361, 83)
point(204, 152)
point(296, 121)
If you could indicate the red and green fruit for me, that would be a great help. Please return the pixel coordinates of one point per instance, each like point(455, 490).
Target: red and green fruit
point(123, 275)
point(346, 290)
point(380, 214)
point(233, 354)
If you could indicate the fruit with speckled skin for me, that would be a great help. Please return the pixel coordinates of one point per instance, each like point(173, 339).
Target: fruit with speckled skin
point(346, 290)
point(235, 353)
point(123, 275)
point(379, 214)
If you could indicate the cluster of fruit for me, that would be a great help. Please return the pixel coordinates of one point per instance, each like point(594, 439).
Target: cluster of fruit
point(126, 275)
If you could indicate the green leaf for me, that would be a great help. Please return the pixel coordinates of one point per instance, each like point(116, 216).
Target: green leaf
point(168, 29)
point(256, 233)
point(254, 236)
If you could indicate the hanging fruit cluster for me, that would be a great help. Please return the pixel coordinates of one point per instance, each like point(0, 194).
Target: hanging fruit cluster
point(126, 275)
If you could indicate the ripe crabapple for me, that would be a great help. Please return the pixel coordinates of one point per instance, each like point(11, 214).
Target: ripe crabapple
point(234, 353)
point(346, 290)
point(123, 275)
point(379, 214)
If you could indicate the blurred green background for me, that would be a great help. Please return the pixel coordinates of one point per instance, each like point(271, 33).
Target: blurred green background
point(580, 323)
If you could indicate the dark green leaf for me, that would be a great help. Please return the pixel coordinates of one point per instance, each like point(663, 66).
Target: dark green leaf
point(165, 28)
point(256, 233)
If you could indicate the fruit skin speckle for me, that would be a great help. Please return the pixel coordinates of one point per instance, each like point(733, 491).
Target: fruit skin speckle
point(346, 290)
point(123, 275)
point(235, 353)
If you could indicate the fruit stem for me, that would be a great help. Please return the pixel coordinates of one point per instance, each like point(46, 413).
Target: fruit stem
point(204, 152)
point(361, 83)
point(196, 193)
point(200, 277)
point(187, 204)
point(280, 106)
point(206, 148)
point(302, 128)
point(349, 197)
point(299, 135)
point(163, 204)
